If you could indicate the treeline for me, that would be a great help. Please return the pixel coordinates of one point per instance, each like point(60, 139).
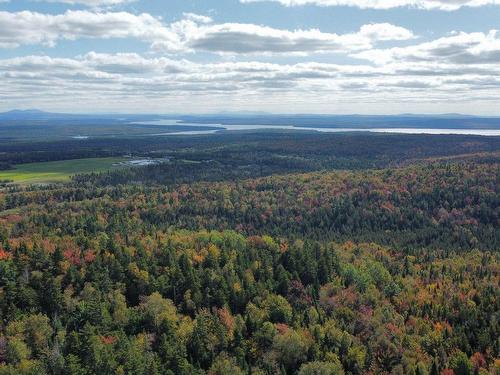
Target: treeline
point(283, 151)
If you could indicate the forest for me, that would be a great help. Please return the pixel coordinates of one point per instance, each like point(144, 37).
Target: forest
point(256, 254)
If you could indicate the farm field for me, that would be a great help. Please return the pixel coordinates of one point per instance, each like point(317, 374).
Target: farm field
point(58, 171)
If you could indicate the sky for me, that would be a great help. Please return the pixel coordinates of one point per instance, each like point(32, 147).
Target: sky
point(279, 56)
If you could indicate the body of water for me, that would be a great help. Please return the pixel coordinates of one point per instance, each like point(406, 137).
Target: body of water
point(485, 132)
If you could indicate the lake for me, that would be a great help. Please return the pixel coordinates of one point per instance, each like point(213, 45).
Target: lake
point(484, 132)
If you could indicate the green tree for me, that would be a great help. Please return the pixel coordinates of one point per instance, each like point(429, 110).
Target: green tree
point(461, 364)
point(321, 368)
point(278, 309)
point(224, 365)
point(291, 349)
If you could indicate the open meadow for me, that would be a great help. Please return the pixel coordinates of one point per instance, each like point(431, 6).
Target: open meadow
point(57, 171)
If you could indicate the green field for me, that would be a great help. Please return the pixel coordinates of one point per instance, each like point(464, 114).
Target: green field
point(57, 171)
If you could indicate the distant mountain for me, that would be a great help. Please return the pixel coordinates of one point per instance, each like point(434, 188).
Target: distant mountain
point(243, 113)
point(406, 120)
point(16, 112)
point(446, 121)
point(33, 115)
point(36, 115)
point(441, 115)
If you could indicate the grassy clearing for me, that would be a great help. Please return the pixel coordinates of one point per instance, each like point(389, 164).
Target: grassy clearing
point(57, 171)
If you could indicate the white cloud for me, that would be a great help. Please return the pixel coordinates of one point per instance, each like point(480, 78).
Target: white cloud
point(385, 31)
point(197, 18)
point(132, 81)
point(461, 69)
point(132, 63)
point(36, 28)
point(91, 3)
point(192, 33)
point(447, 5)
point(459, 48)
point(249, 38)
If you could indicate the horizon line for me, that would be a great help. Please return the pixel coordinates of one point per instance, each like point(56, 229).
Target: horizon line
point(241, 113)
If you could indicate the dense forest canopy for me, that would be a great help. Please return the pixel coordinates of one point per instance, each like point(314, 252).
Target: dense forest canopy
point(268, 253)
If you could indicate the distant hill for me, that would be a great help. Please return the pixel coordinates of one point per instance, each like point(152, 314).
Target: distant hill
point(445, 121)
point(443, 115)
point(406, 120)
point(34, 115)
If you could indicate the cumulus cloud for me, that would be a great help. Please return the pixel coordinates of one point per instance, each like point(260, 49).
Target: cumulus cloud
point(249, 38)
point(385, 31)
point(197, 17)
point(91, 3)
point(459, 48)
point(447, 5)
point(134, 79)
point(28, 27)
point(192, 33)
point(460, 67)
point(132, 63)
